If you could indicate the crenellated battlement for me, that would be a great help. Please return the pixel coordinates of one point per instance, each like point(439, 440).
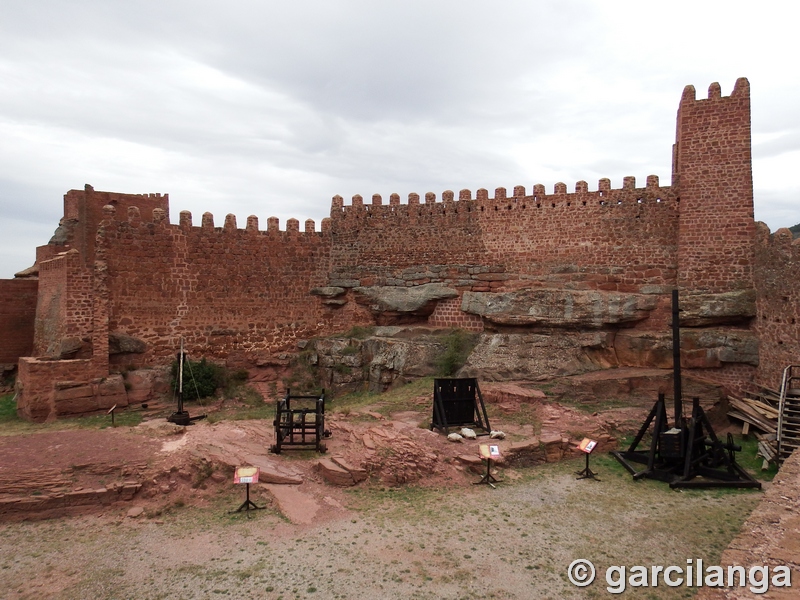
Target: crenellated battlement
point(185, 222)
point(519, 199)
point(741, 90)
point(781, 241)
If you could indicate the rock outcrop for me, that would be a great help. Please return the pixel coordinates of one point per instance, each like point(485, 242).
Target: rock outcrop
point(559, 307)
point(700, 348)
point(121, 343)
point(699, 310)
point(331, 295)
point(394, 305)
point(529, 356)
point(380, 360)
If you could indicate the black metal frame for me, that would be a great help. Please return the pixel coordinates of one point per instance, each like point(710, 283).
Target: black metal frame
point(679, 456)
point(458, 403)
point(293, 426)
point(586, 472)
point(688, 455)
point(180, 416)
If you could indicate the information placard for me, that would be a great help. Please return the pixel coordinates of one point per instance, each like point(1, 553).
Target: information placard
point(490, 451)
point(587, 445)
point(246, 475)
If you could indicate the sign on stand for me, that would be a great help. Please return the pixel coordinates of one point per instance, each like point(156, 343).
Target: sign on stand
point(587, 446)
point(489, 452)
point(247, 475)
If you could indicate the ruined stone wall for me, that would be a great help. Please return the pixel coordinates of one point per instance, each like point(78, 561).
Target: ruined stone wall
point(17, 314)
point(64, 306)
point(83, 212)
point(777, 323)
point(227, 291)
point(48, 389)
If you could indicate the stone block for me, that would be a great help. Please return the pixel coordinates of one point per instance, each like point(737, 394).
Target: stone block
point(334, 474)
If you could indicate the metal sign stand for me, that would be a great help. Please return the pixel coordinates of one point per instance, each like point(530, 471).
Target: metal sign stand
point(248, 504)
point(488, 453)
point(587, 446)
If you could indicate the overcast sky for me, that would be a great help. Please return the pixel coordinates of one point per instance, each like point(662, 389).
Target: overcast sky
point(270, 108)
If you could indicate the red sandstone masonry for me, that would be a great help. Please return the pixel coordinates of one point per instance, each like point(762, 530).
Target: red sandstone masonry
point(227, 291)
point(17, 315)
point(65, 303)
point(777, 276)
point(714, 181)
point(448, 314)
point(86, 207)
point(609, 239)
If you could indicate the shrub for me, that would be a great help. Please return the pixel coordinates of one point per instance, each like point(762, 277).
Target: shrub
point(200, 379)
point(458, 346)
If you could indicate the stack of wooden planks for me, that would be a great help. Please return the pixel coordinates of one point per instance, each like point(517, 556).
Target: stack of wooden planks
point(759, 410)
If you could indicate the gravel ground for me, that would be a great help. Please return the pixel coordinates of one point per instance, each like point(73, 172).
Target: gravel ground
point(515, 541)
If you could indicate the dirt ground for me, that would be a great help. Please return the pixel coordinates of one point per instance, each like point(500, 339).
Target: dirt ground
point(417, 528)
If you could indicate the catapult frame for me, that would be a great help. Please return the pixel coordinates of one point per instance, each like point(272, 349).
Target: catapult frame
point(300, 422)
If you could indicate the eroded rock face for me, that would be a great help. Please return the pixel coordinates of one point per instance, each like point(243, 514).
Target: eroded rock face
point(391, 305)
point(644, 349)
point(559, 308)
point(74, 347)
point(380, 361)
point(122, 343)
point(709, 348)
point(698, 310)
point(705, 348)
point(331, 295)
point(503, 357)
point(144, 385)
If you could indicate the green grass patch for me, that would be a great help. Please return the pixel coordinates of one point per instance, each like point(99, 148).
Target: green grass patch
point(749, 459)
point(8, 409)
point(358, 332)
point(122, 418)
point(396, 399)
point(11, 424)
point(244, 403)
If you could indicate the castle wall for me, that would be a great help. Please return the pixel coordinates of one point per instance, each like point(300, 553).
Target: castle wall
point(777, 322)
point(64, 305)
point(84, 208)
point(403, 244)
point(17, 315)
point(620, 239)
point(227, 291)
point(714, 181)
